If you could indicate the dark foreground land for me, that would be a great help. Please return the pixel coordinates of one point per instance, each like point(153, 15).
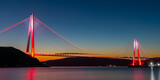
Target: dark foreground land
point(89, 61)
point(11, 57)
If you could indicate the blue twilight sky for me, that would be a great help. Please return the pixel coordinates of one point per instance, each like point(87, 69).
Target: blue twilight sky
point(99, 26)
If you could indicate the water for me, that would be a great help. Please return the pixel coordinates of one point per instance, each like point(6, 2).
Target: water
point(80, 73)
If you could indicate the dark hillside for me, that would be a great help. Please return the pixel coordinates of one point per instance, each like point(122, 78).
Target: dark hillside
point(11, 57)
point(88, 61)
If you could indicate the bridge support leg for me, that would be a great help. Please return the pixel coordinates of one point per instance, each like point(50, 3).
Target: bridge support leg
point(31, 35)
point(134, 47)
point(32, 25)
point(139, 58)
point(28, 40)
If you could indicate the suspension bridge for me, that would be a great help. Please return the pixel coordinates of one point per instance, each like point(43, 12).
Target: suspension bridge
point(31, 44)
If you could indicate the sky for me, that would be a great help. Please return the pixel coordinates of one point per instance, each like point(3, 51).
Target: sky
point(98, 26)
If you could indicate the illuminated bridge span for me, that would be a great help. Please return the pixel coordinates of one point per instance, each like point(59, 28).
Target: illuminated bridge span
point(67, 55)
point(30, 43)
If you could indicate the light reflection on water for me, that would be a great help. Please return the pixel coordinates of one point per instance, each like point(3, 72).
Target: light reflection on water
point(159, 74)
point(152, 74)
point(31, 73)
point(80, 73)
point(138, 74)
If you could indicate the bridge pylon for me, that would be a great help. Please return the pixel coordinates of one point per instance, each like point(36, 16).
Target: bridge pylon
point(136, 47)
point(31, 36)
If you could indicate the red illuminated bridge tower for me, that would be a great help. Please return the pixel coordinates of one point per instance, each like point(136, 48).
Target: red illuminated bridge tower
point(136, 47)
point(31, 36)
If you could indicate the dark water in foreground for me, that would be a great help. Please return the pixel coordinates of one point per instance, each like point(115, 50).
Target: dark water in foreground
point(80, 73)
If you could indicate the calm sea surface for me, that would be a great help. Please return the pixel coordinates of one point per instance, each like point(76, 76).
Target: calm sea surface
point(80, 73)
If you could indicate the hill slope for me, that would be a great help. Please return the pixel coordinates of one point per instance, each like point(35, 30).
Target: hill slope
point(11, 57)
